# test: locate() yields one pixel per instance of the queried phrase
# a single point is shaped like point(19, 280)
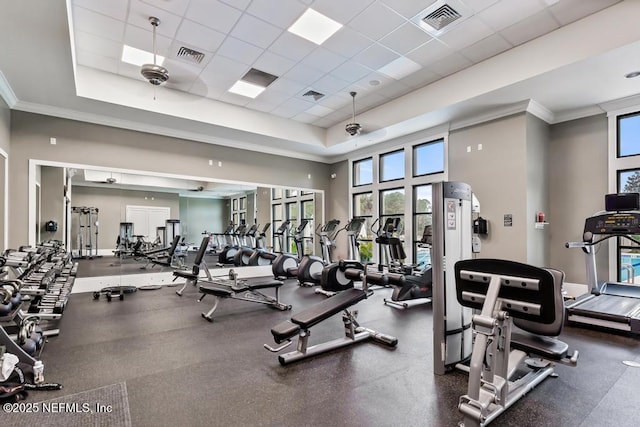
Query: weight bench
point(191, 277)
point(244, 290)
point(507, 363)
point(165, 257)
point(301, 322)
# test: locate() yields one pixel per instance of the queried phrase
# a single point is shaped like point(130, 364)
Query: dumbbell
point(5, 302)
point(13, 286)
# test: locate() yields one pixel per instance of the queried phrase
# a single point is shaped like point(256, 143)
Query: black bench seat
point(186, 274)
point(223, 289)
point(546, 347)
point(317, 313)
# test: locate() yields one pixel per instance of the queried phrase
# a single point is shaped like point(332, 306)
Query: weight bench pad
point(327, 308)
point(283, 331)
point(248, 286)
point(185, 274)
point(545, 347)
point(210, 289)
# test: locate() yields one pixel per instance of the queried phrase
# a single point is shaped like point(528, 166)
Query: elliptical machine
point(333, 278)
point(286, 264)
point(241, 257)
point(262, 256)
point(417, 285)
point(227, 254)
point(310, 268)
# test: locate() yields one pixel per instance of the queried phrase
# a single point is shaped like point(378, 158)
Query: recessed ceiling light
point(314, 27)
point(139, 57)
point(400, 68)
point(246, 89)
point(632, 74)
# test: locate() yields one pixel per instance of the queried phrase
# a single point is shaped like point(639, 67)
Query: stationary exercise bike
point(262, 256)
point(310, 268)
point(417, 285)
point(333, 278)
point(286, 264)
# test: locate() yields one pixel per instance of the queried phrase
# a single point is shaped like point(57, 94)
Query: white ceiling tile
point(486, 48)
point(466, 34)
point(376, 21)
point(400, 68)
point(286, 86)
point(329, 85)
point(323, 60)
point(240, 51)
point(213, 14)
point(303, 74)
point(319, 110)
point(567, 11)
point(114, 8)
point(255, 31)
point(260, 104)
point(180, 72)
point(350, 71)
point(376, 56)
point(405, 38)
point(139, 15)
point(131, 71)
point(283, 15)
point(143, 39)
point(421, 79)
point(336, 101)
point(369, 101)
point(177, 7)
point(233, 98)
point(273, 96)
point(324, 122)
point(505, 13)
point(95, 23)
point(207, 91)
point(450, 64)
point(529, 28)
point(292, 47)
point(430, 52)
point(238, 4)
point(480, 5)
point(199, 36)
point(223, 72)
point(341, 11)
point(90, 59)
point(347, 42)
point(273, 64)
point(98, 45)
point(393, 89)
point(305, 117)
point(409, 8)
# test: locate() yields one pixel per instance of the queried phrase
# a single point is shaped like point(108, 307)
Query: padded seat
point(284, 330)
point(186, 274)
point(248, 286)
point(218, 291)
point(327, 308)
point(545, 347)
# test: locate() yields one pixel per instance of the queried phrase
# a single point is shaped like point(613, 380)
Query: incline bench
point(509, 294)
point(301, 322)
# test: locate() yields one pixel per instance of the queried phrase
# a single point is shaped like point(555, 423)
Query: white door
point(146, 219)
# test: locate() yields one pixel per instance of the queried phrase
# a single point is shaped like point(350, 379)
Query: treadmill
point(611, 305)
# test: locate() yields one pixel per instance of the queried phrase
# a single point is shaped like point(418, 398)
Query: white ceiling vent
point(190, 55)
point(441, 17)
point(316, 95)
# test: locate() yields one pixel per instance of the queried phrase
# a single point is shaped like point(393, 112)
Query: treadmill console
point(614, 223)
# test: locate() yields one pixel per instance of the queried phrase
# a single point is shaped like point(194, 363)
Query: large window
point(628, 252)
point(392, 166)
point(363, 207)
point(276, 212)
point(308, 206)
point(292, 215)
point(629, 135)
point(363, 172)
point(422, 217)
point(428, 158)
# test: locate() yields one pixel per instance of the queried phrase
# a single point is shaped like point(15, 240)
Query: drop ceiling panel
point(376, 56)
point(376, 21)
point(213, 14)
point(140, 13)
point(97, 24)
point(341, 11)
point(323, 59)
point(319, 110)
point(486, 48)
point(292, 46)
point(418, 80)
point(466, 34)
point(408, 8)
point(90, 59)
point(405, 38)
point(239, 50)
point(143, 39)
point(350, 71)
point(530, 28)
point(505, 13)
point(177, 7)
point(347, 42)
point(238, 4)
point(261, 105)
point(286, 86)
point(195, 34)
point(567, 11)
point(304, 74)
point(329, 84)
point(223, 69)
point(429, 53)
point(113, 8)
point(283, 15)
point(450, 64)
point(273, 64)
point(256, 31)
point(92, 43)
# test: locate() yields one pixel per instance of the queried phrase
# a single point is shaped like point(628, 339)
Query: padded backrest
point(397, 249)
point(201, 251)
point(174, 245)
point(527, 292)
point(553, 329)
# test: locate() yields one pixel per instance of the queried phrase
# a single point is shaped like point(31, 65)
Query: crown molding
point(7, 92)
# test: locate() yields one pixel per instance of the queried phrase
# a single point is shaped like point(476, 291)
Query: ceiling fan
point(353, 128)
point(154, 73)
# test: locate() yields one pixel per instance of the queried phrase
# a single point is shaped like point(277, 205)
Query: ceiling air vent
point(314, 94)
point(441, 17)
point(190, 55)
point(259, 78)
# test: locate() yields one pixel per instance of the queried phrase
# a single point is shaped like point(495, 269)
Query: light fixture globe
point(154, 73)
point(353, 128)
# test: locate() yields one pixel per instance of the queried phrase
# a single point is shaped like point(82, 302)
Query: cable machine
point(87, 237)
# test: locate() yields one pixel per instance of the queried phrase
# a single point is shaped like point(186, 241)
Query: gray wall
point(578, 177)
point(537, 160)
point(263, 199)
point(5, 140)
point(337, 204)
point(51, 202)
point(498, 176)
point(112, 209)
point(86, 143)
